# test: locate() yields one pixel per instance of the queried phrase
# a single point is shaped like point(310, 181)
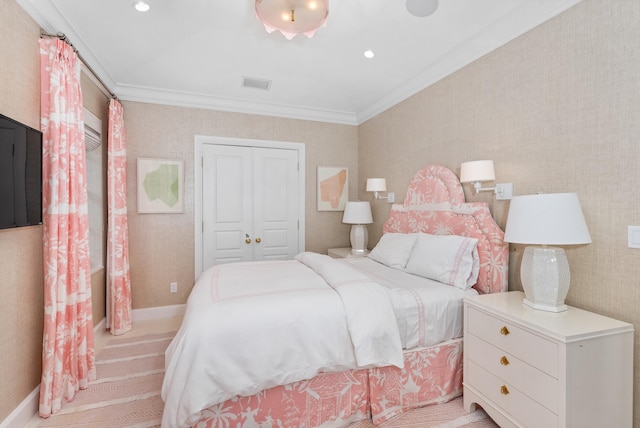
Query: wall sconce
point(358, 214)
point(541, 220)
point(377, 185)
point(482, 170)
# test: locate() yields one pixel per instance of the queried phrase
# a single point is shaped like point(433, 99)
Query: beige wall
point(162, 246)
point(558, 110)
point(21, 305)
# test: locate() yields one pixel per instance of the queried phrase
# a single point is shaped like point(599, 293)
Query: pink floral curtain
point(68, 359)
point(118, 235)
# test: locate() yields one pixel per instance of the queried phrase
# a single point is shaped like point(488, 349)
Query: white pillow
point(393, 249)
point(450, 259)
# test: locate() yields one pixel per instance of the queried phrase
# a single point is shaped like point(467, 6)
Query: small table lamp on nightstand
point(538, 221)
point(358, 214)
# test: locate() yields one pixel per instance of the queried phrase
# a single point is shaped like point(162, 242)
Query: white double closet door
point(250, 204)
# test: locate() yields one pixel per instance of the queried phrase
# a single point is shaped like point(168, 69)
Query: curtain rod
point(65, 39)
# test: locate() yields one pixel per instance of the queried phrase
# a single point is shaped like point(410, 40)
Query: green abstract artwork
point(162, 184)
point(159, 186)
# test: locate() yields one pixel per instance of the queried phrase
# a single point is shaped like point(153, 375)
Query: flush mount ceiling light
point(292, 17)
point(422, 8)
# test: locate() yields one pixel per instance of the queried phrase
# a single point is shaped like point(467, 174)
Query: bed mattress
point(252, 326)
point(427, 311)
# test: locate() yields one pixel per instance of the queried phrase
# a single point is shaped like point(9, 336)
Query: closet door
point(227, 204)
point(275, 185)
point(249, 204)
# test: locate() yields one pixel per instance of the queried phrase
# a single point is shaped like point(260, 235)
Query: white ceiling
point(196, 52)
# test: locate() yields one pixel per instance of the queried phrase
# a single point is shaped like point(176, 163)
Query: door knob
point(258, 240)
point(248, 240)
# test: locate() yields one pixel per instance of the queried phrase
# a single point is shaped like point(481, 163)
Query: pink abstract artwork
point(332, 188)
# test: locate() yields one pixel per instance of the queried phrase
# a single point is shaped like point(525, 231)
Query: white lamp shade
point(376, 185)
point(480, 170)
point(546, 219)
point(357, 213)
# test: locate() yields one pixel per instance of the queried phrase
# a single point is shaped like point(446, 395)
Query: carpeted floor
point(127, 390)
point(127, 394)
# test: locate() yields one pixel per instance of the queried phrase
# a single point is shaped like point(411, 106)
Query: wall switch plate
point(391, 197)
point(634, 237)
point(174, 287)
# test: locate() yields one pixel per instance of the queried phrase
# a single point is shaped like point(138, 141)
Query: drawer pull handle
point(504, 361)
point(504, 331)
point(504, 390)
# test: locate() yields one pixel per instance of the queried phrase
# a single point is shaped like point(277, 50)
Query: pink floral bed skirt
point(431, 376)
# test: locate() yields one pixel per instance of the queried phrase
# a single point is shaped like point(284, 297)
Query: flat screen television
point(20, 174)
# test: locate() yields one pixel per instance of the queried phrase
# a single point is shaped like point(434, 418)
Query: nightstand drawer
point(508, 398)
point(528, 347)
point(538, 385)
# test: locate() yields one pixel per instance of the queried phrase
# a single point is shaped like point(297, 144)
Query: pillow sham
point(394, 249)
point(449, 259)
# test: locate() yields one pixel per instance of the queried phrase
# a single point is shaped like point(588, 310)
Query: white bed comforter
point(252, 326)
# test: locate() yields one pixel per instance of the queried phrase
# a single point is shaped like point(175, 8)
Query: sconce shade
point(546, 219)
point(376, 185)
point(480, 170)
point(357, 213)
point(292, 17)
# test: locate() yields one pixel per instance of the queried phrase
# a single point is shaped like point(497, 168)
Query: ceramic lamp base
point(545, 278)
point(359, 239)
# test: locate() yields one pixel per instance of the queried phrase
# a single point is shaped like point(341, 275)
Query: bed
point(317, 341)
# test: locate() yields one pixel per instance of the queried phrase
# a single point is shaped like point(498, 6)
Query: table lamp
point(358, 214)
point(542, 220)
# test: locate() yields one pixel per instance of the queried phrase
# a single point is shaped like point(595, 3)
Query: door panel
point(276, 203)
point(226, 215)
point(249, 193)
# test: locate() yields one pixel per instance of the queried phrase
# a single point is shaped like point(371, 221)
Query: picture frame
point(332, 188)
point(160, 186)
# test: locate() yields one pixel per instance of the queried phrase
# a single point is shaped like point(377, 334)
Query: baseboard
point(22, 414)
point(158, 312)
point(28, 408)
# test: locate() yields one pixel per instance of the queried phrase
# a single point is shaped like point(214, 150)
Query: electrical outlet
point(174, 287)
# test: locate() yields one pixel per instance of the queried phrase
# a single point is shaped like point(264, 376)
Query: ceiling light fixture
point(422, 8)
point(142, 6)
point(293, 17)
point(369, 54)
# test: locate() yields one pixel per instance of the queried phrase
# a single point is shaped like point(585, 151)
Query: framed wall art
point(160, 186)
point(333, 188)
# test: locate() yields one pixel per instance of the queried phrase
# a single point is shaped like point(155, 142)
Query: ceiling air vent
point(252, 82)
point(92, 131)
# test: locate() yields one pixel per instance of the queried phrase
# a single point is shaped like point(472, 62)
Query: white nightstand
point(343, 253)
point(531, 368)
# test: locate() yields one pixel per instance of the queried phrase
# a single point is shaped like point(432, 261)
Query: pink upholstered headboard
point(435, 204)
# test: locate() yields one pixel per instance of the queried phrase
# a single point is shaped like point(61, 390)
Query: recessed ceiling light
point(369, 54)
point(142, 6)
